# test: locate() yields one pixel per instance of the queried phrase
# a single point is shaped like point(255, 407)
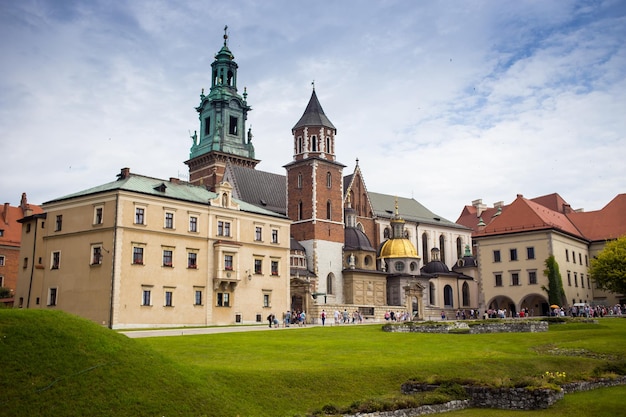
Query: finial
point(313, 84)
point(245, 93)
point(396, 206)
point(357, 162)
point(349, 199)
point(202, 92)
point(225, 34)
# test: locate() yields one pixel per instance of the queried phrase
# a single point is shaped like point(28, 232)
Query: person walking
point(323, 316)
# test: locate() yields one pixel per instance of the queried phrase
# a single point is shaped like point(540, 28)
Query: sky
point(444, 102)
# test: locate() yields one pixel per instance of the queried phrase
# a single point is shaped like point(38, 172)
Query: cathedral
point(351, 249)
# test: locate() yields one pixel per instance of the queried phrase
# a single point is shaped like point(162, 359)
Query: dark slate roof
point(314, 115)
point(408, 209)
point(355, 239)
point(295, 245)
point(263, 189)
point(347, 180)
point(435, 267)
point(165, 189)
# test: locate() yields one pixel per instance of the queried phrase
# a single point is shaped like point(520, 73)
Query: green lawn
point(55, 364)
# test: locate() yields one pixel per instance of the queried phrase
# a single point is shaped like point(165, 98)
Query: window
point(1, 281)
point(59, 223)
point(582, 280)
point(442, 249)
point(139, 215)
point(586, 260)
point(459, 248)
point(274, 266)
point(192, 259)
point(228, 262)
point(447, 296)
point(223, 228)
point(52, 297)
point(496, 256)
point(2, 232)
point(575, 279)
point(424, 247)
point(573, 256)
point(25, 264)
point(193, 224)
point(498, 280)
point(145, 298)
point(168, 298)
point(513, 253)
point(96, 255)
point(299, 180)
point(314, 143)
point(137, 255)
point(530, 252)
point(588, 285)
point(1, 260)
point(258, 233)
point(98, 215)
point(569, 279)
point(328, 144)
point(198, 298)
point(300, 213)
point(207, 126)
point(532, 277)
point(329, 283)
point(466, 294)
point(169, 220)
point(258, 266)
point(566, 255)
point(266, 300)
point(328, 210)
point(27, 228)
point(515, 278)
point(56, 260)
point(223, 299)
point(274, 235)
point(329, 180)
point(299, 147)
point(580, 258)
point(232, 126)
point(167, 257)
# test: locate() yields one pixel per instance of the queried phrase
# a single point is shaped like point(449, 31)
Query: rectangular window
point(52, 297)
point(228, 262)
point(575, 279)
point(223, 228)
point(193, 224)
point(569, 279)
point(232, 126)
point(167, 257)
point(56, 260)
point(274, 235)
point(1, 260)
point(98, 215)
point(258, 266)
point(588, 285)
point(198, 298)
point(96, 255)
point(207, 126)
point(192, 259)
point(530, 253)
point(532, 277)
point(25, 264)
point(223, 299)
point(137, 255)
point(566, 255)
point(169, 220)
point(498, 280)
point(27, 228)
point(496, 256)
point(139, 215)
point(145, 298)
point(573, 256)
point(168, 298)
point(513, 253)
point(586, 260)
point(515, 278)
point(582, 280)
point(580, 258)
point(258, 234)
point(59, 223)
point(266, 300)
point(274, 267)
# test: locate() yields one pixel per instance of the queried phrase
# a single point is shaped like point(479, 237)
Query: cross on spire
point(225, 34)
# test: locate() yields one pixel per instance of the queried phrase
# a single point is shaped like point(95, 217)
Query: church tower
point(222, 137)
point(315, 197)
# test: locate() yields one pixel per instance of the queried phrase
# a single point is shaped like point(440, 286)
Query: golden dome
point(398, 248)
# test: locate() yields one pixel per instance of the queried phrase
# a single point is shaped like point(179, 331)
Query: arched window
point(386, 233)
point(299, 180)
point(300, 210)
point(431, 294)
point(224, 200)
point(314, 143)
point(442, 250)
point(447, 296)
point(459, 248)
point(329, 283)
point(328, 210)
point(229, 79)
point(329, 180)
point(425, 251)
point(466, 294)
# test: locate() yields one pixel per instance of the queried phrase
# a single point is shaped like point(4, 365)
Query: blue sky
point(445, 102)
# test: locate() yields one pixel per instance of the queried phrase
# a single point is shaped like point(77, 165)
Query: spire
point(314, 114)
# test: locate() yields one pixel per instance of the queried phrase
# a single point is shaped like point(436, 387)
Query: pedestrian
point(323, 315)
point(270, 318)
point(443, 315)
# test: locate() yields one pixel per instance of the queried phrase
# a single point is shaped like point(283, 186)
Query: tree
point(608, 268)
point(556, 294)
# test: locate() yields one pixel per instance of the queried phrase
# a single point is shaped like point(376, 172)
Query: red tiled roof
point(552, 201)
point(12, 230)
point(606, 223)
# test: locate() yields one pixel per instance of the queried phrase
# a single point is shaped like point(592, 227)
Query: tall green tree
point(608, 268)
point(556, 294)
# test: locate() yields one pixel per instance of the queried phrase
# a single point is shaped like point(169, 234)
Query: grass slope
point(56, 364)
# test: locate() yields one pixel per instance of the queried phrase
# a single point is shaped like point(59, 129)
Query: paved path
point(205, 330)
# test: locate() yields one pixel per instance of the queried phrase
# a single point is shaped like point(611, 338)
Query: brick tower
point(315, 196)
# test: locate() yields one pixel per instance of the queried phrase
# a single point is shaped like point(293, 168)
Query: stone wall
point(509, 326)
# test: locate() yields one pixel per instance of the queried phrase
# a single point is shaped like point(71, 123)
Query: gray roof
point(182, 191)
point(314, 115)
point(262, 189)
point(409, 209)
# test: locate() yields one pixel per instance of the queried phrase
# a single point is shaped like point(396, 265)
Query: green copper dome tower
point(222, 136)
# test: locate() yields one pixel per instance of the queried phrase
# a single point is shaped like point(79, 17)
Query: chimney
point(520, 196)
point(480, 207)
point(567, 208)
point(124, 173)
point(5, 213)
point(498, 204)
point(174, 180)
